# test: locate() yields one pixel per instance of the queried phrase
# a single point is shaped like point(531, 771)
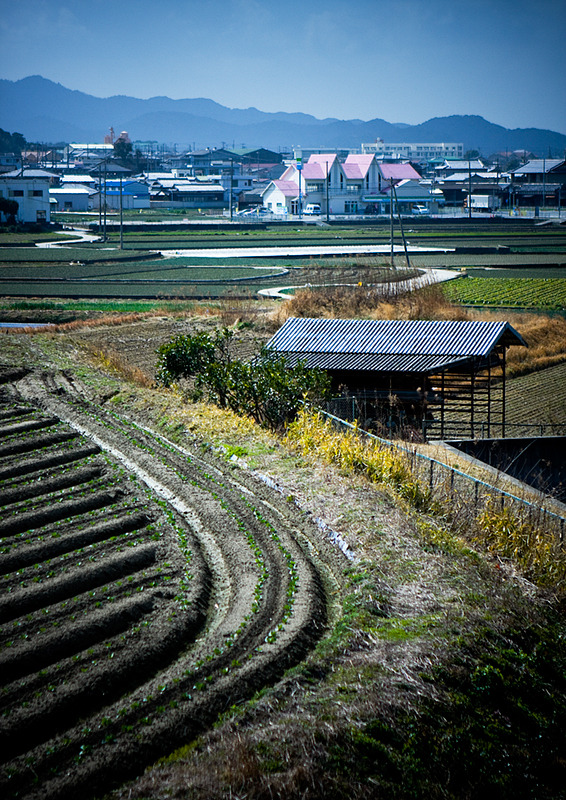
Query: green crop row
point(545, 293)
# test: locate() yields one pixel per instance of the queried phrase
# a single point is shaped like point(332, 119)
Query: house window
point(37, 193)
point(16, 192)
point(350, 207)
point(353, 188)
point(314, 187)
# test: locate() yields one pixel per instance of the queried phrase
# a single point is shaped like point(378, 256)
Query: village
point(378, 179)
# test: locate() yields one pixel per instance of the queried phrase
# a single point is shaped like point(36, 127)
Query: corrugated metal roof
point(390, 345)
point(368, 362)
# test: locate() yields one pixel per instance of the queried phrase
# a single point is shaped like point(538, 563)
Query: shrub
point(267, 389)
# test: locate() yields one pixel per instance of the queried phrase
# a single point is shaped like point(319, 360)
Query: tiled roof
point(314, 171)
point(352, 170)
point(322, 158)
point(538, 166)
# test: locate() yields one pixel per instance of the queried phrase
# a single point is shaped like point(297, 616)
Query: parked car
point(420, 210)
point(312, 208)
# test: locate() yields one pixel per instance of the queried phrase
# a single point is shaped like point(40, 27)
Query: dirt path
point(146, 588)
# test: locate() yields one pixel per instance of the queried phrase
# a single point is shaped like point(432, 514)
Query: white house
point(31, 192)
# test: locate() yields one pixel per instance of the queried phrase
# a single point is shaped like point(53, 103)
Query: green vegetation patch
point(50, 255)
point(544, 293)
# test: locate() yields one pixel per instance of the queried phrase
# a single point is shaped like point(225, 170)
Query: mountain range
point(44, 111)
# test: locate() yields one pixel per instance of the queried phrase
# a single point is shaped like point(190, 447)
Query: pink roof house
point(399, 172)
point(343, 188)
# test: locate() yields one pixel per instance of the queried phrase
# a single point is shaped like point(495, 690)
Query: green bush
point(267, 389)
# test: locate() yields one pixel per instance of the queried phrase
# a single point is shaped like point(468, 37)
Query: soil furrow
point(48, 485)
point(29, 599)
point(30, 425)
point(36, 443)
point(67, 543)
point(251, 568)
point(53, 647)
point(48, 461)
point(31, 520)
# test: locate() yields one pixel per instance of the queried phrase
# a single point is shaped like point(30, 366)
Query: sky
point(399, 60)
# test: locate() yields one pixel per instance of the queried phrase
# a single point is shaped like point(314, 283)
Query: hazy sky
point(401, 60)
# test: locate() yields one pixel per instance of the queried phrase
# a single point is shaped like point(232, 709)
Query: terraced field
point(145, 589)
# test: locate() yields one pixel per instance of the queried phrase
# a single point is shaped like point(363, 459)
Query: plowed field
point(145, 589)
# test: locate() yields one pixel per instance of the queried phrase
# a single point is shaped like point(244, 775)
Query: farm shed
point(441, 378)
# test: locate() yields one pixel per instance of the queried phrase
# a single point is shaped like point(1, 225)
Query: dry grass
point(546, 339)
point(385, 301)
point(113, 362)
point(78, 324)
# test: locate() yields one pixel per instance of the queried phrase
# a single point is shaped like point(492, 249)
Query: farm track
point(145, 589)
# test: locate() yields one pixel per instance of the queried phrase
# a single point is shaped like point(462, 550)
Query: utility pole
point(401, 227)
point(231, 180)
point(469, 190)
point(391, 223)
point(100, 197)
point(121, 218)
point(327, 192)
point(299, 160)
point(543, 183)
point(105, 172)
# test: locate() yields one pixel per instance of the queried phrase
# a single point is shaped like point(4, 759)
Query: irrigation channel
point(146, 588)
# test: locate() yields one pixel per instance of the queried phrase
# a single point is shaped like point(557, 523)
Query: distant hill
point(45, 111)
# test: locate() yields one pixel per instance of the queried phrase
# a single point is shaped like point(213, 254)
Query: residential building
point(359, 184)
point(9, 162)
point(186, 193)
point(71, 197)
point(125, 193)
point(539, 183)
point(78, 178)
point(30, 189)
point(541, 170)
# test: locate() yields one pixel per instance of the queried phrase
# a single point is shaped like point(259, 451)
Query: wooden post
point(503, 399)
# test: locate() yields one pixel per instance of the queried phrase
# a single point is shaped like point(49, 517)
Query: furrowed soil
point(175, 579)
